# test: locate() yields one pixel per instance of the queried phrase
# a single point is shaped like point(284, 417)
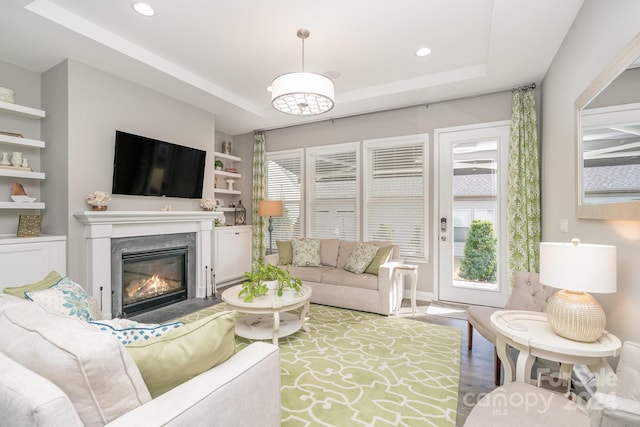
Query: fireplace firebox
point(153, 279)
point(149, 272)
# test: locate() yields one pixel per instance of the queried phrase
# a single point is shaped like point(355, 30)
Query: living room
point(85, 104)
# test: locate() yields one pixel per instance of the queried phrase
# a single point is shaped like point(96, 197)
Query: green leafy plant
point(480, 252)
point(219, 164)
point(260, 273)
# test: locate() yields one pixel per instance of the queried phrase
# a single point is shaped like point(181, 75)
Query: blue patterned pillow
point(67, 298)
point(129, 331)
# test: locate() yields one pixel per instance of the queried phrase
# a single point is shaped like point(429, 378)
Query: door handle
point(443, 238)
point(443, 224)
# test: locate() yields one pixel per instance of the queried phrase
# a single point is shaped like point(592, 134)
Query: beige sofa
point(59, 371)
point(332, 285)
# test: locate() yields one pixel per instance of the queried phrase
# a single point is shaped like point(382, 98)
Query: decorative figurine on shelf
point(19, 195)
point(241, 214)
point(5, 159)
point(230, 183)
point(226, 147)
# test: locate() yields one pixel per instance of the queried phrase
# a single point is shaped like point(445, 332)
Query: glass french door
point(472, 166)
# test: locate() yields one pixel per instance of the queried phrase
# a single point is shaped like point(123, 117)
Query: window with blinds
point(333, 191)
point(284, 182)
point(395, 177)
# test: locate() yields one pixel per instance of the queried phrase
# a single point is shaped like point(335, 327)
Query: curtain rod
point(424, 104)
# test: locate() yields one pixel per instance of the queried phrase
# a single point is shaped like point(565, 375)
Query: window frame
point(392, 142)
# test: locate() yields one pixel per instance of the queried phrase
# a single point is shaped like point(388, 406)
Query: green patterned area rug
point(362, 369)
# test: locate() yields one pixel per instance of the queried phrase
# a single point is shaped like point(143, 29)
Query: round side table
point(531, 334)
point(410, 271)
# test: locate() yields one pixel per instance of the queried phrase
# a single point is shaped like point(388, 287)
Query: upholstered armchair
point(528, 405)
point(527, 294)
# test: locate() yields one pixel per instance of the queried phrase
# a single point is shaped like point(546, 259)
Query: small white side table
point(531, 334)
point(410, 271)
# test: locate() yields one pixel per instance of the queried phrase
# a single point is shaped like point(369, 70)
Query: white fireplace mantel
point(102, 226)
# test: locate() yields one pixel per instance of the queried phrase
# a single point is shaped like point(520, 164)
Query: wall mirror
point(608, 140)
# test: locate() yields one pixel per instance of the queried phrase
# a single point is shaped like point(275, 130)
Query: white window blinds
point(284, 182)
point(333, 191)
point(395, 193)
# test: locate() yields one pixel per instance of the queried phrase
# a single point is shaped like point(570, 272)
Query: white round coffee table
point(265, 317)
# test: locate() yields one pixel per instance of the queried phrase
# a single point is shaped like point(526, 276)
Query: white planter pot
point(271, 284)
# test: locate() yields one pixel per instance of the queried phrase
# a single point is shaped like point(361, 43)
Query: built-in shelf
point(24, 142)
point(21, 174)
point(225, 191)
point(227, 157)
point(16, 205)
point(228, 174)
point(22, 111)
point(226, 209)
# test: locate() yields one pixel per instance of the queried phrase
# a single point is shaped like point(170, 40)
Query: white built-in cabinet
point(10, 143)
point(28, 259)
point(232, 252)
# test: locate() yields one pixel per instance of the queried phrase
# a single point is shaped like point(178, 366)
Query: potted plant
point(264, 277)
point(218, 165)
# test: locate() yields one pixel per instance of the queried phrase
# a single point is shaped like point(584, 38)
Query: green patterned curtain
point(523, 194)
point(259, 187)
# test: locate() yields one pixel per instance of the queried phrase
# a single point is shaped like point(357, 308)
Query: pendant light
point(302, 93)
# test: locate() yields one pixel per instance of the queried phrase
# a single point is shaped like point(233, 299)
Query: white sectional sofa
point(59, 371)
point(332, 285)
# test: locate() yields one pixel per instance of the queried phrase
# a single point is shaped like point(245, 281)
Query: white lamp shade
point(302, 93)
point(578, 267)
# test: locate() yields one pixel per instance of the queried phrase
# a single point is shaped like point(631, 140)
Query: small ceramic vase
point(16, 158)
point(5, 160)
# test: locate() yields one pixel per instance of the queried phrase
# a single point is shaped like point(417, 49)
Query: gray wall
point(415, 120)
point(26, 84)
point(599, 33)
point(98, 104)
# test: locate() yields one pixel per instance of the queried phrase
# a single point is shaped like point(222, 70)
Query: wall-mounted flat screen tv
point(148, 167)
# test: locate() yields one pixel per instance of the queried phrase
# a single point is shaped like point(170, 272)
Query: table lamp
point(270, 208)
point(577, 268)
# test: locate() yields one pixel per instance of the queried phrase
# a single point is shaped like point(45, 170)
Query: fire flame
point(150, 287)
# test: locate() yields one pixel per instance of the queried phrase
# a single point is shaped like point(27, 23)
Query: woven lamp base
point(576, 315)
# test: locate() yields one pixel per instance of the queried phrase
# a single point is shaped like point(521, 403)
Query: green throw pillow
point(361, 257)
point(185, 352)
point(383, 255)
point(306, 252)
point(51, 279)
point(285, 251)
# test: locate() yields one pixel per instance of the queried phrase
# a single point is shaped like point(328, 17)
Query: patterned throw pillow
point(129, 331)
point(361, 257)
point(68, 299)
point(306, 252)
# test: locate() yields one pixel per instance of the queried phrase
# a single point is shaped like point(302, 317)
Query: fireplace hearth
point(150, 272)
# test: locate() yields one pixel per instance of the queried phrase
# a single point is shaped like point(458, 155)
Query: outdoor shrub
point(480, 252)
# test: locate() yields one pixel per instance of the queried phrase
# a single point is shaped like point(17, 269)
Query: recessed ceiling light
point(423, 51)
point(144, 9)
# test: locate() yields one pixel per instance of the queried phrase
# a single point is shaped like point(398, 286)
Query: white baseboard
point(420, 296)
